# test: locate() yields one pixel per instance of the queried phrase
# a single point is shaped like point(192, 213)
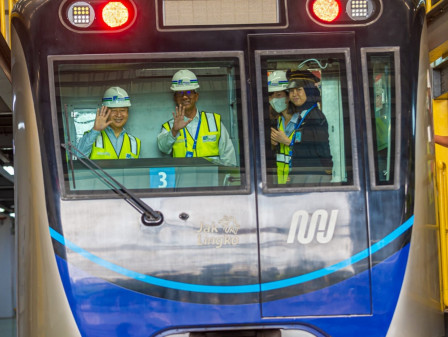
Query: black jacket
point(312, 154)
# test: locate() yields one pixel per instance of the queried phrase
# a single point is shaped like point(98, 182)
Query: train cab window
point(154, 126)
point(379, 73)
point(306, 121)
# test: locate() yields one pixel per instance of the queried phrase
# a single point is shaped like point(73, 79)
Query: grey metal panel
point(418, 311)
point(215, 245)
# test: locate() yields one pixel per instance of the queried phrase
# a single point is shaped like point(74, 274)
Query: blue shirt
point(288, 129)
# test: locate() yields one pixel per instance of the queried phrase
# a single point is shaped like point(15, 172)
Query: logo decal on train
point(225, 233)
point(316, 227)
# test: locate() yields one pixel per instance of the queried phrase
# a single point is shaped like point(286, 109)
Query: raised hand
point(102, 114)
point(179, 121)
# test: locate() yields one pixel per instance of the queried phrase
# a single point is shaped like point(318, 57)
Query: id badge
point(298, 137)
point(189, 154)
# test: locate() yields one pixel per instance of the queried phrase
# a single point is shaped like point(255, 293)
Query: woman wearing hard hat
point(285, 120)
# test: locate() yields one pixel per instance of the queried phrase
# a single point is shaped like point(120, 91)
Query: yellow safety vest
point(283, 158)
point(207, 144)
point(103, 148)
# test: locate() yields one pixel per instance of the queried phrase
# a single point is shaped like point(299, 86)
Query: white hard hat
point(184, 80)
point(116, 97)
point(277, 81)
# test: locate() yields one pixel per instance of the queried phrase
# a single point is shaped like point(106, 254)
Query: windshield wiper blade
point(149, 217)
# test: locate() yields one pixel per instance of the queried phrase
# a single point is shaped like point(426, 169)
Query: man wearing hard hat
point(108, 138)
point(191, 132)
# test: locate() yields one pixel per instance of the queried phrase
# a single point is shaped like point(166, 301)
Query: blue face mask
point(279, 104)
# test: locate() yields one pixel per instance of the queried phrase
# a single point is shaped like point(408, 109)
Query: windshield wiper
point(150, 217)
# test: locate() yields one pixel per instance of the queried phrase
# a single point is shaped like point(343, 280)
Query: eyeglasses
point(117, 111)
point(184, 93)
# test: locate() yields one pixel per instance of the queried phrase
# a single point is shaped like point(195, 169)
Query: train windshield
point(151, 124)
point(307, 121)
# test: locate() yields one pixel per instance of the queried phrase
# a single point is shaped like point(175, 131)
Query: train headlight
point(359, 9)
point(81, 14)
point(326, 10)
point(115, 14)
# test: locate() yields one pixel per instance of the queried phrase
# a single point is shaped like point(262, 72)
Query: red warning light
point(115, 14)
point(326, 10)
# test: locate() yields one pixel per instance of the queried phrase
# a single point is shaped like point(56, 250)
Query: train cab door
point(312, 216)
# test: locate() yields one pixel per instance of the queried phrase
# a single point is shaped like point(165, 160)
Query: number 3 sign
point(162, 177)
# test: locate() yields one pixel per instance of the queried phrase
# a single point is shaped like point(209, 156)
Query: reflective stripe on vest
point(99, 142)
point(283, 158)
point(134, 145)
point(208, 138)
point(103, 148)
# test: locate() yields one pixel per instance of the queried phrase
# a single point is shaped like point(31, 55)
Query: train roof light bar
point(326, 10)
point(81, 14)
point(115, 14)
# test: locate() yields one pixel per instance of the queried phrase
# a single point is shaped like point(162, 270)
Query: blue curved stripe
point(250, 288)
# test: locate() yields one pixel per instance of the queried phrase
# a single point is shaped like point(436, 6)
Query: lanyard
point(190, 153)
point(299, 124)
point(293, 134)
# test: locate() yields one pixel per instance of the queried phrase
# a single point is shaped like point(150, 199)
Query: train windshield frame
point(382, 97)
point(334, 83)
point(76, 98)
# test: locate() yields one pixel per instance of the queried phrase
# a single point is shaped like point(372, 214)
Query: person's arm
point(441, 140)
point(165, 141)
